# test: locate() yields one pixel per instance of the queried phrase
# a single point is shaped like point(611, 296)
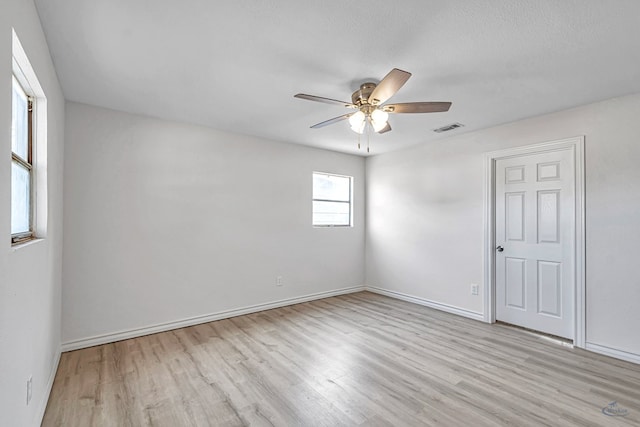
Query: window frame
point(348, 202)
point(28, 163)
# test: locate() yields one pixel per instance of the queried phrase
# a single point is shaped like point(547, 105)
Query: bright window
point(21, 165)
point(332, 200)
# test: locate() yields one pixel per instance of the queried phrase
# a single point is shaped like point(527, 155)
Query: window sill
point(25, 244)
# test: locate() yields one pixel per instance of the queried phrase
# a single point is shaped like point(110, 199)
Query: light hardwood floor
point(359, 359)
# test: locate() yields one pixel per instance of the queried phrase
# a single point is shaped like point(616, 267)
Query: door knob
point(500, 249)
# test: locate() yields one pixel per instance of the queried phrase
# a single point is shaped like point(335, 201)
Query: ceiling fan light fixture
point(378, 126)
point(357, 122)
point(359, 128)
point(356, 118)
point(378, 115)
point(379, 119)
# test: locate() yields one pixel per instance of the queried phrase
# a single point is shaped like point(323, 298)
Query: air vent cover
point(447, 128)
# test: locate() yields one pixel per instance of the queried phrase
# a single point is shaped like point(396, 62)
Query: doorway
point(534, 238)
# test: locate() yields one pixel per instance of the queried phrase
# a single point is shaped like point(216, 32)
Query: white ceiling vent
point(447, 128)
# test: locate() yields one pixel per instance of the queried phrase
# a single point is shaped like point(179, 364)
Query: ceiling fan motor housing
point(361, 96)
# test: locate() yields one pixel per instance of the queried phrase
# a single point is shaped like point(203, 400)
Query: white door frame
point(576, 145)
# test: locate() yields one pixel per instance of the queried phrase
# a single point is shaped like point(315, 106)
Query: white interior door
point(535, 239)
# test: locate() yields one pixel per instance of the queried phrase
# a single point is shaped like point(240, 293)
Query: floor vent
point(447, 128)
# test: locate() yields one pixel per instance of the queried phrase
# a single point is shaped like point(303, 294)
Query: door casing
point(576, 146)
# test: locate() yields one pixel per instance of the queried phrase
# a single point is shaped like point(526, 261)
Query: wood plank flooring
point(359, 359)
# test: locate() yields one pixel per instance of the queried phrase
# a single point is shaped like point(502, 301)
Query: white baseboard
point(596, 348)
point(427, 303)
point(42, 407)
point(161, 327)
point(612, 352)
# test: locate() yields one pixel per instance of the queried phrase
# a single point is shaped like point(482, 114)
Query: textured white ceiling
point(235, 65)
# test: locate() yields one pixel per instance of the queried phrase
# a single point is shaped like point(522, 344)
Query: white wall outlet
point(278, 280)
point(474, 289)
point(29, 388)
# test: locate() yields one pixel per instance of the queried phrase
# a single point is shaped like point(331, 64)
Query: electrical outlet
point(29, 387)
point(474, 289)
point(278, 280)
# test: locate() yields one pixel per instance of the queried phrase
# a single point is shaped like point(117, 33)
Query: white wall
point(30, 277)
point(167, 221)
point(425, 215)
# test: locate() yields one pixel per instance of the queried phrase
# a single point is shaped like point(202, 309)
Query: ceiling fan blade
point(417, 107)
point(331, 121)
point(389, 85)
point(387, 128)
point(324, 100)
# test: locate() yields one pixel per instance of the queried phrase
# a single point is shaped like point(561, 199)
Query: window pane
point(331, 187)
point(19, 122)
point(331, 213)
point(20, 198)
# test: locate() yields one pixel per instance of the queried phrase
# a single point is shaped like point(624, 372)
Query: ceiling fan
point(369, 103)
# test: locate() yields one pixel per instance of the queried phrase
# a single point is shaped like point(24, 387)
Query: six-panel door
point(535, 202)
